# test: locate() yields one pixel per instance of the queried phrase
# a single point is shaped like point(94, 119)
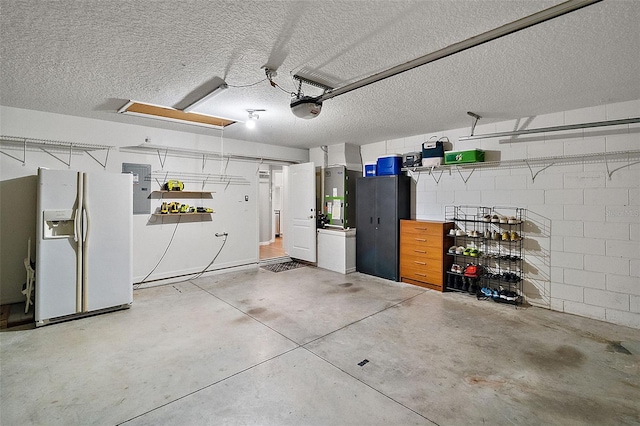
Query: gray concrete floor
point(262, 348)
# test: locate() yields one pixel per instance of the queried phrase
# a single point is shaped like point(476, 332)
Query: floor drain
point(363, 362)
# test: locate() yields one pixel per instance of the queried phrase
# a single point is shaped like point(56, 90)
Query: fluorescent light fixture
point(159, 112)
point(205, 98)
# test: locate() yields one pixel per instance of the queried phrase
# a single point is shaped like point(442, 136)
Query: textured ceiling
point(87, 58)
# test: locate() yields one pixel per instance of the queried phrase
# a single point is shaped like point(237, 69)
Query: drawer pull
point(420, 251)
point(421, 275)
point(419, 263)
point(421, 229)
point(420, 239)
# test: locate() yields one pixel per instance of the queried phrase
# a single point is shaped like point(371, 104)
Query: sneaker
point(487, 234)
point(511, 296)
point(467, 251)
point(474, 234)
point(460, 233)
point(513, 220)
point(452, 232)
point(460, 250)
point(452, 249)
point(495, 235)
point(474, 252)
point(486, 292)
point(495, 218)
point(505, 236)
point(487, 218)
point(514, 236)
point(503, 219)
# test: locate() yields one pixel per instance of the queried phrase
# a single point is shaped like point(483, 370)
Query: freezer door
point(108, 239)
point(55, 254)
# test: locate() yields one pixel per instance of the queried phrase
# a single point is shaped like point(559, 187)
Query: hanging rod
point(553, 129)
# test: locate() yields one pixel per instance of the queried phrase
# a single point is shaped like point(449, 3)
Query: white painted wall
point(194, 244)
point(583, 229)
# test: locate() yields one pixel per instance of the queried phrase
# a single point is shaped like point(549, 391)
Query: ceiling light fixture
point(206, 97)
point(253, 117)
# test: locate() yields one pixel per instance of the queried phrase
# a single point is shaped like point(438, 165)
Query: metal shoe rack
point(491, 238)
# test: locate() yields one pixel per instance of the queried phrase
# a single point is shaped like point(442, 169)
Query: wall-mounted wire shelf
point(161, 176)
point(163, 151)
point(535, 165)
point(51, 147)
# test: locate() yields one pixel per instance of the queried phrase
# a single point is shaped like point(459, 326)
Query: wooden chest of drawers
point(423, 247)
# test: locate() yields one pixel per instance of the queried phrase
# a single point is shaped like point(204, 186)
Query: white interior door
point(300, 206)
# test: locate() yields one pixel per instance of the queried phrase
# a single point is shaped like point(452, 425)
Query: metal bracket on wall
point(469, 176)
point(534, 175)
point(629, 163)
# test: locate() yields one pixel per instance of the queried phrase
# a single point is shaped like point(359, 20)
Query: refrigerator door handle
point(76, 224)
point(80, 249)
point(85, 228)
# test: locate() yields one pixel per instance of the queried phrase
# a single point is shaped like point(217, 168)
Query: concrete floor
point(262, 348)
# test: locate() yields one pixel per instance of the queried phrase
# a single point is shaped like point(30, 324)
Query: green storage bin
point(459, 157)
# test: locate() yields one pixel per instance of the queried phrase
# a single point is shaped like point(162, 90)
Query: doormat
point(279, 267)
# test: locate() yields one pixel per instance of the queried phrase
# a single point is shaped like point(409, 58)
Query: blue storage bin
point(389, 165)
point(370, 169)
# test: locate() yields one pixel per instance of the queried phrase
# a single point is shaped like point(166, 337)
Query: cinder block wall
point(582, 232)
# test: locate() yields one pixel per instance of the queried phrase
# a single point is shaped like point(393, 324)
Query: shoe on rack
point(511, 296)
point(486, 218)
point(486, 292)
point(513, 220)
point(503, 219)
point(495, 219)
point(460, 233)
point(452, 249)
point(474, 252)
point(459, 250)
point(450, 280)
point(505, 236)
point(514, 236)
point(467, 251)
point(452, 232)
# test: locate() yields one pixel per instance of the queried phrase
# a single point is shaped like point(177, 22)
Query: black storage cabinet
point(381, 202)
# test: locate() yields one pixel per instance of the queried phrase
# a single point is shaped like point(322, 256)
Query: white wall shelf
point(203, 179)
point(535, 165)
point(183, 194)
point(52, 148)
point(181, 214)
point(164, 151)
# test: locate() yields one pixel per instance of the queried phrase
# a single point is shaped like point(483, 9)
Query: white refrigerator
point(83, 245)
